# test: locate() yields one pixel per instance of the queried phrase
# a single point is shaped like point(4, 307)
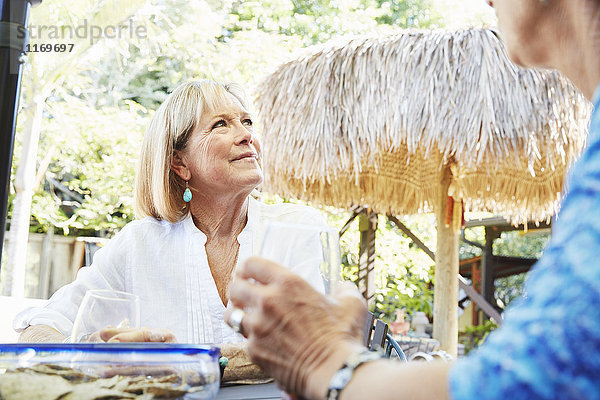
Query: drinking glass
point(101, 308)
point(308, 250)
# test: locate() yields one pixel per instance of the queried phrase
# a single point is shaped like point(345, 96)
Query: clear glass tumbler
point(101, 308)
point(311, 251)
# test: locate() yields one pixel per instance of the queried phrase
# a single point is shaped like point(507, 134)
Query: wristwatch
point(344, 374)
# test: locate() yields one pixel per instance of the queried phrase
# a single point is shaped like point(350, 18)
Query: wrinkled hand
point(111, 334)
point(295, 333)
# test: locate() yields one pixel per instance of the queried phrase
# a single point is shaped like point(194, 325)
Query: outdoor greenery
point(88, 188)
point(117, 84)
point(404, 273)
point(515, 244)
point(97, 101)
point(474, 336)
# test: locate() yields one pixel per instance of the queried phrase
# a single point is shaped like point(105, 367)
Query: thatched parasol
point(399, 123)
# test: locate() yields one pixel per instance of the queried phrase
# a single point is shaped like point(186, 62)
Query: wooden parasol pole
point(367, 223)
point(445, 294)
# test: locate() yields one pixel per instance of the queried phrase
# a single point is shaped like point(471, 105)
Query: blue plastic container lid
point(142, 348)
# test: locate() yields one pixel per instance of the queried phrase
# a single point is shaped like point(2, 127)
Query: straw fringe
point(371, 121)
point(400, 186)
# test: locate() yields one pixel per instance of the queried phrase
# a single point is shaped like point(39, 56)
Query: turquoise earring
point(187, 194)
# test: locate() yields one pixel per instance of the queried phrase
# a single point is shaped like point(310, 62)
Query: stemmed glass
point(308, 250)
point(101, 308)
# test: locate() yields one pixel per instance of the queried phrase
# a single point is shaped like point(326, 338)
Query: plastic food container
point(102, 370)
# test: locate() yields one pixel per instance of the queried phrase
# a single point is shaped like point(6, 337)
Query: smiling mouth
point(246, 156)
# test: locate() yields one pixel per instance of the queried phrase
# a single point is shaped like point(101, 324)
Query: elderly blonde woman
point(549, 344)
point(200, 161)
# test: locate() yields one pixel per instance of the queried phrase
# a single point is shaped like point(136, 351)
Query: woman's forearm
point(41, 333)
point(382, 380)
point(386, 379)
point(239, 366)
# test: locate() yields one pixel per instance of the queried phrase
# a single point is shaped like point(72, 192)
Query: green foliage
point(403, 273)
point(407, 292)
point(407, 14)
point(518, 244)
point(89, 182)
point(116, 84)
point(475, 235)
point(316, 21)
point(509, 288)
point(513, 244)
point(474, 336)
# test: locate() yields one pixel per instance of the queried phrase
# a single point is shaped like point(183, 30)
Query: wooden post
point(445, 294)
point(476, 286)
point(462, 283)
point(46, 264)
point(488, 265)
point(367, 224)
point(78, 256)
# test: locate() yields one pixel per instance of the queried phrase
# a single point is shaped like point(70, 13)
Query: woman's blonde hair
point(159, 190)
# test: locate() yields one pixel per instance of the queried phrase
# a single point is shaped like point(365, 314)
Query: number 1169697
point(49, 48)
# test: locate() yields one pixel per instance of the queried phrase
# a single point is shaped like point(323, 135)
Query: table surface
point(249, 392)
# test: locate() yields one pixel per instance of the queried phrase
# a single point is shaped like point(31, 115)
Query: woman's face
point(222, 153)
point(529, 28)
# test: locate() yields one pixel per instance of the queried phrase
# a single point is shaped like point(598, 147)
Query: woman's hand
point(297, 335)
point(111, 334)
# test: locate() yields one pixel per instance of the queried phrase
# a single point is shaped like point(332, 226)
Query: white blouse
point(165, 264)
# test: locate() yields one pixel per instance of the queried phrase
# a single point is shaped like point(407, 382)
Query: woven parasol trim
point(400, 185)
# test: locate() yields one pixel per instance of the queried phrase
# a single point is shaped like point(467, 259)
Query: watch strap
point(341, 378)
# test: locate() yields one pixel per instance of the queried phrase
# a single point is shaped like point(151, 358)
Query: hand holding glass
point(101, 308)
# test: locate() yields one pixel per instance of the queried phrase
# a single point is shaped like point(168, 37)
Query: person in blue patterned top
point(549, 344)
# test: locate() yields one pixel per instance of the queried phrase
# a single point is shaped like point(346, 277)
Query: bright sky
point(465, 13)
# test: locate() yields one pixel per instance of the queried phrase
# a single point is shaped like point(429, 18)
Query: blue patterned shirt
point(549, 345)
